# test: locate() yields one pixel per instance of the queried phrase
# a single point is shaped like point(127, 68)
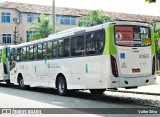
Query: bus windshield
point(132, 35)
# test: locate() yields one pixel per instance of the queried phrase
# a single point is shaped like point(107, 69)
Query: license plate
point(136, 70)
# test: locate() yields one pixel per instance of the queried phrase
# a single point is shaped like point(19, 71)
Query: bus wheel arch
point(19, 77)
point(61, 84)
point(20, 81)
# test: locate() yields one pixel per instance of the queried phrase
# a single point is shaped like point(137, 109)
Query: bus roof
point(80, 30)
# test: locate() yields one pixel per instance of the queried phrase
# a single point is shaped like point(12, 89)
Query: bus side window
point(44, 50)
point(34, 52)
point(54, 49)
point(31, 52)
point(100, 38)
point(63, 48)
point(90, 44)
point(27, 53)
point(77, 46)
point(49, 52)
point(8, 52)
point(24, 57)
point(39, 53)
point(60, 48)
point(19, 54)
point(66, 47)
point(94, 43)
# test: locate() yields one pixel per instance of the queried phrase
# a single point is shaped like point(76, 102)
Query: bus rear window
point(132, 36)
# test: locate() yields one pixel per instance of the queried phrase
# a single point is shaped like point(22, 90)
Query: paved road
point(43, 98)
point(12, 97)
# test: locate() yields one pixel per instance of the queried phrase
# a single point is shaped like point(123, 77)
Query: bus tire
point(97, 91)
point(61, 86)
point(21, 82)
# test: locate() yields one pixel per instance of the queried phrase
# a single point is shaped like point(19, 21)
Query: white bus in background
point(4, 65)
point(111, 55)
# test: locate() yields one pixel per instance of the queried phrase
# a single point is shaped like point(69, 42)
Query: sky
point(123, 6)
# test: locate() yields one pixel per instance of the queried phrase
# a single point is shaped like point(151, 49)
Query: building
point(16, 18)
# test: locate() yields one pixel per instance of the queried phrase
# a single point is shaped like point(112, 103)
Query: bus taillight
point(5, 68)
point(153, 65)
point(114, 66)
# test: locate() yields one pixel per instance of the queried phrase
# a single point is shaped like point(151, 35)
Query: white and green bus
point(4, 64)
point(111, 55)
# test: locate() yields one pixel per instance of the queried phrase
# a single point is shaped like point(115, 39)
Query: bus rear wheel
point(61, 86)
point(97, 91)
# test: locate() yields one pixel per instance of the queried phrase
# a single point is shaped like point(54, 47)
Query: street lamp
point(54, 17)
point(15, 35)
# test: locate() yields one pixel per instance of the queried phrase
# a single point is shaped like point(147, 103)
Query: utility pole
point(15, 36)
point(54, 17)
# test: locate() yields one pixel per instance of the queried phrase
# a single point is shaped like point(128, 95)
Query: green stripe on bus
point(4, 56)
point(35, 69)
point(153, 42)
point(110, 47)
point(86, 68)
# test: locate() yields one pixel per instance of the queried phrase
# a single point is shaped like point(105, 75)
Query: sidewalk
point(150, 89)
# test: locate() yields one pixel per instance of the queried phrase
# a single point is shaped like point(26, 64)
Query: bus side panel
point(109, 80)
point(94, 73)
point(110, 49)
point(78, 70)
point(59, 66)
point(86, 72)
point(41, 73)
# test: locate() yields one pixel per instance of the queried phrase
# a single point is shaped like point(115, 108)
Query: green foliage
point(156, 37)
point(94, 18)
point(150, 1)
point(42, 28)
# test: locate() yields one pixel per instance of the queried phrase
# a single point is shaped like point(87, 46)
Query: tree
point(150, 1)
point(94, 18)
point(157, 39)
point(42, 28)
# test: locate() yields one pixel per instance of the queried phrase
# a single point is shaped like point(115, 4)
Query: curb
point(134, 92)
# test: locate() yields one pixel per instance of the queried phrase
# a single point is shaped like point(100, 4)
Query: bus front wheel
point(97, 91)
point(21, 82)
point(61, 86)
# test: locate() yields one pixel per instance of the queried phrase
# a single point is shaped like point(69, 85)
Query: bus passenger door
point(12, 63)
